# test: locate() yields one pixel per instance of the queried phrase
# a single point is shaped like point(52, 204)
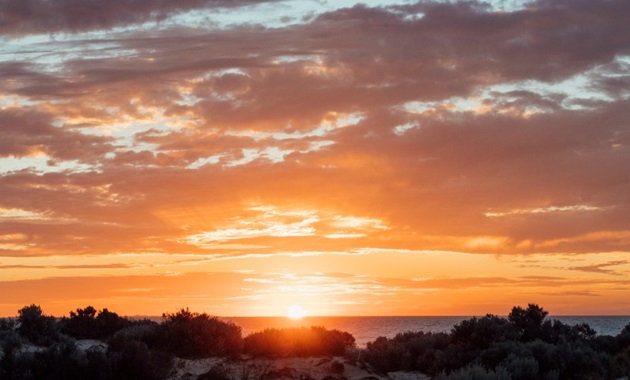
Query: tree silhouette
point(35, 326)
point(88, 324)
point(528, 321)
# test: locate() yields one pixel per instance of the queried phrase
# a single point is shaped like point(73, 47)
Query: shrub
point(145, 331)
point(546, 355)
point(480, 333)
point(521, 367)
point(9, 337)
point(7, 324)
point(61, 361)
point(525, 346)
point(195, 335)
point(37, 327)
point(313, 341)
point(87, 324)
point(385, 355)
point(133, 360)
point(620, 364)
point(15, 364)
point(528, 321)
point(409, 351)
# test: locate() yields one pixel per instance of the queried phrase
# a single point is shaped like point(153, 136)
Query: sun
point(296, 312)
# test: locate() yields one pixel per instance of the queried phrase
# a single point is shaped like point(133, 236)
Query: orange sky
point(240, 157)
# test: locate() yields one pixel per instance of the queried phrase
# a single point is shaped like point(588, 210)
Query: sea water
point(367, 329)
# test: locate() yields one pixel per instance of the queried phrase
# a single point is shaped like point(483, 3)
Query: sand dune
point(284, 368)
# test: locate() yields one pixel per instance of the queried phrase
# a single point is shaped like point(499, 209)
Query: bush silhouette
point(528, 321)
point(133, 360)
point(302, 341)
point(37, 327)
point(194, 335)
point(88, 324)
point(523, 346)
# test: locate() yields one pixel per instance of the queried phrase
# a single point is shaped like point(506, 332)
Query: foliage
point(145, 331)
point(37, 327)
point(528, 321)
point(620, 363)
point(313, 341)
point(481, 333)
point(408, 351)
point(132, 359)
point(523, 346)
point(193, 335)
point(62, 361)
point(9, 337)
point(88, 324)
point(7, 324)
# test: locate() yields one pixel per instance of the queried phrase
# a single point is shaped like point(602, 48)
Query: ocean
point(367, 329)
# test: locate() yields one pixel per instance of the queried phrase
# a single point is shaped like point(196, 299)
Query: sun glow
point(296, 312)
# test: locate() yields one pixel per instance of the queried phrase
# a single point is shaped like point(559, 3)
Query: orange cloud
point(350, 136)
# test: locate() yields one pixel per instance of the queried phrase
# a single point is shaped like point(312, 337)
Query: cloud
point(27, 132)
point(602, 268)
point(421, 127)
point(40, 16)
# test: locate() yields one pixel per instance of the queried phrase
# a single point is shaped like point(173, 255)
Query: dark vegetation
point(525, 345)
point(314, 341)
point(41, 347)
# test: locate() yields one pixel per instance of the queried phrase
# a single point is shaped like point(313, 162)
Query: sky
point(238, 157)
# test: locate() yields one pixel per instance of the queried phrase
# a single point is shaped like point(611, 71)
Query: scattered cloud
point(70, 16)
point(543, 210)
point(184, 128)
point(603, 268)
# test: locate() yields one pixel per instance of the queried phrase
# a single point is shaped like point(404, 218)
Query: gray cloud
point(27, 132)
point(41, 16)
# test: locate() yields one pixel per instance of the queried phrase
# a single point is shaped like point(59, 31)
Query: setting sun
point(296, 312)
point(272, 180)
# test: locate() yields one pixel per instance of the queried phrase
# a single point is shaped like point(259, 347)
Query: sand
point(285, 368)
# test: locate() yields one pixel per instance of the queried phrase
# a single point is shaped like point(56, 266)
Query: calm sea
point(367, 329)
